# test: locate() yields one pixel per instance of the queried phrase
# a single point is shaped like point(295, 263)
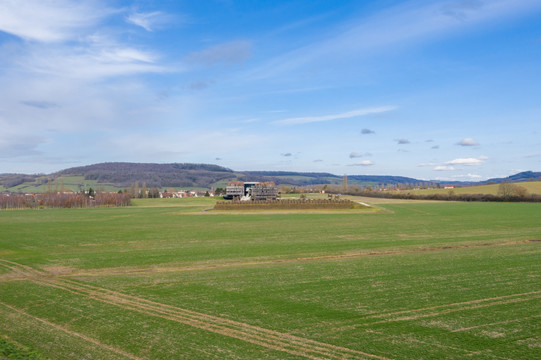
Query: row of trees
point(506, 193)
point(62, 200)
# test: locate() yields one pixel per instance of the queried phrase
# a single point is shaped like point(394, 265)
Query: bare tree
point(508, 189)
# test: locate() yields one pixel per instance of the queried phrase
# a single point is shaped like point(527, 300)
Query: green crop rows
point(166, 280)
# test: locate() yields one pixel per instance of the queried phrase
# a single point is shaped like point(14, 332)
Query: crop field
point(171, 279)
point(533, 187)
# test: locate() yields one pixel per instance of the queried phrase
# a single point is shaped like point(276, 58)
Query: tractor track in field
point(438, 310)
point(249, 333)
point(71, 332)
point(495, 323)
point(165, 269)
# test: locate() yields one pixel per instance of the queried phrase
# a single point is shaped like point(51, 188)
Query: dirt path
point(253, 334)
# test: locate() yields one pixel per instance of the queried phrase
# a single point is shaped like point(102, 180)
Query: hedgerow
point(449, 197)
point(286, 204)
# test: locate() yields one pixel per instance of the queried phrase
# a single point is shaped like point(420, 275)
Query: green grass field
point(164, 279)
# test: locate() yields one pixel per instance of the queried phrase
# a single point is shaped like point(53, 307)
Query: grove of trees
point(62, 200)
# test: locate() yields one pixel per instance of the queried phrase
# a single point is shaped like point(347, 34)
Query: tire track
point(438, 313)
point(495, 323)
point(121, 271)
point(253, 334)
point(72, 333)
point(491, 300)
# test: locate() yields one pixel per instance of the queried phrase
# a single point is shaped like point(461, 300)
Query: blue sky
point(445, 90)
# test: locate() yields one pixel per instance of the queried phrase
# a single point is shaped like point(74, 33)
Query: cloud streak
point(231, 53)
point(90, 62)
point(467, 161)
point(345, 115)
point(355, 154)
point(362, 163)
point(50, 21)
point(467, 142)
point(40, 104)
point(406, 23)
point(148, 21)
point(444, 168)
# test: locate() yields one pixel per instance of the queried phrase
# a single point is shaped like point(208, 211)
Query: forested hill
point(310, 178)
point(206, 175)
point(522, 176)
point(123, 174)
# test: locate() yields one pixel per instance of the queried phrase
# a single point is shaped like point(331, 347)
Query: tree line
point(62, 200)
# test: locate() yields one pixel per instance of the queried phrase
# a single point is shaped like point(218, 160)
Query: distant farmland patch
point(533, 187)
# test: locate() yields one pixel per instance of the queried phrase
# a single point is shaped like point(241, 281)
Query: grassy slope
point(364, 281)
point(533, 187)
point(70, 183)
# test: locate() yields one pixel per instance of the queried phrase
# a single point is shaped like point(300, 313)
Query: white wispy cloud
point(444, 168)
point(50, 21)
point(90, 63)
point(362, 163)
point(474, 177)
point(345, 115)
point(467, 161)
point(408, 22)
point(452, 164)
point(148, 21)
point(64, 41)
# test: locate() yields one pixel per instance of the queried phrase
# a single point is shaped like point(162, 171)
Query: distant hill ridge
point(188, 175)
point(125, 174)
point(204, 175)
point(522, 176)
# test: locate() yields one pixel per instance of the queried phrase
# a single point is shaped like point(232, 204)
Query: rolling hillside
point(114, 176)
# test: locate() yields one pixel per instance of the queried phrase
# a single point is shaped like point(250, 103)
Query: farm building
point(248, 191)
